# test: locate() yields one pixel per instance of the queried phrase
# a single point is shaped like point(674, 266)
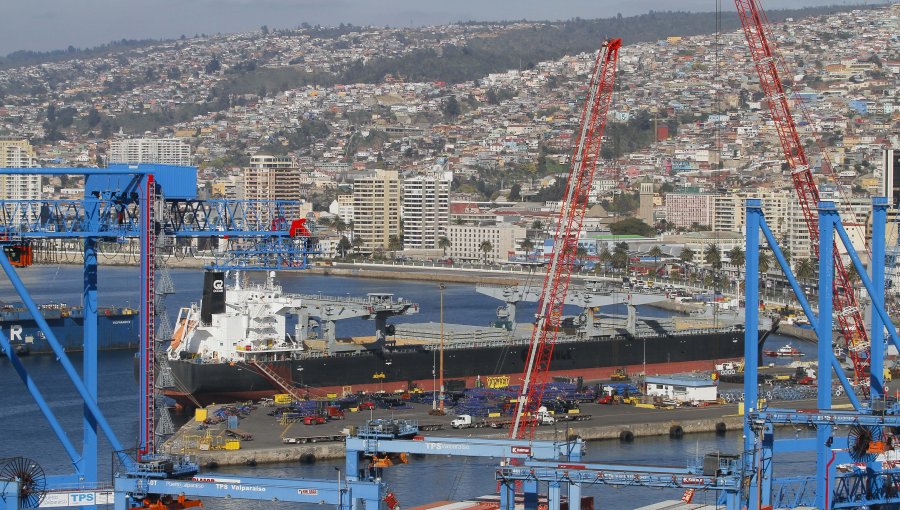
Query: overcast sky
point(55, 24)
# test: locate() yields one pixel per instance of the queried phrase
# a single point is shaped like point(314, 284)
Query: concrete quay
point(616, 422)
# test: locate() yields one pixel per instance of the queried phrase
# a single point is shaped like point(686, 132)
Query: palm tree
point(765, 262)
point(580, 253)
point(537, 225)
point(620, 257)
point(443, 243)
point(736, 255)
point(527, 245)
point(339, 224)
point(656, 252)
point(713, 256)
point(604, 256)
point(686, 256)
point(357, 243)
point(805, 270)
point(486, 247)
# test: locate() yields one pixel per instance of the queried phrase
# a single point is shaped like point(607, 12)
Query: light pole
point(441, 405)
point(340, 489)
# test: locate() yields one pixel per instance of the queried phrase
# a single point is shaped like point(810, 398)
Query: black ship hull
point(409, 366)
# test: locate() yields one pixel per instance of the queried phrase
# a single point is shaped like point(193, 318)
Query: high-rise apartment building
point(376, 208)
point(275, 178)
point(163, 151)
point(685, 210)
point(426, 209)
point(18, 153)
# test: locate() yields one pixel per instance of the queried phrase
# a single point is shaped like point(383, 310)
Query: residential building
point(466, 241)
point(276, 178)
point(376, 208)
point(342, 207)
point(685, 210)
point(426, 209)
point(163, 151)
point(18, 153)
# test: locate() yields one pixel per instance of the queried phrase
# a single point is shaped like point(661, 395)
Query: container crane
point(770, 67)
point(565, 241)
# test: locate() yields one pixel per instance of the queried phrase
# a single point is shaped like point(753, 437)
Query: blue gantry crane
point(871, 480)
point(122, 203)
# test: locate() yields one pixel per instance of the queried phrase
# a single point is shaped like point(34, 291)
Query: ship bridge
point(327, 309)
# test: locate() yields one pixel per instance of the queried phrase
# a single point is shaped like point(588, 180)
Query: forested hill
point(521, 49)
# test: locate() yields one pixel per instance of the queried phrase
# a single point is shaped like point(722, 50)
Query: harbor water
point(423, 480)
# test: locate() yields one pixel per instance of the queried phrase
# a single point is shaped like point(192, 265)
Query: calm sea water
point(27, 433)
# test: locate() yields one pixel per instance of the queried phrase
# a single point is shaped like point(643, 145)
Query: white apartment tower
point(18, 153)
point(162, 151)
point(426, 209)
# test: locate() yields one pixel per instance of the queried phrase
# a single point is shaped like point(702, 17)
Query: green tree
point(93, 118)
point(395, 243)
point(515, 192)
point(765, 262)
point(537, 225)
point(736, 255)
point(713, 256)
point(213, 65)
point(451, 107)
point(656, 252)
point(486, 247)
point(620, 256)
point(805, 269)
point(580, 253)
point(631, 226)
point(343, 246)
point(686, 254)
point(443, 243)
point(357, 243)
point(604, 256)
point(527, 246)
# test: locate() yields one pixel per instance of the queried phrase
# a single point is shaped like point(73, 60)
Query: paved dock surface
point(607, 422)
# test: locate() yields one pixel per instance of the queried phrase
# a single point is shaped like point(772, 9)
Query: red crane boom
point(770, 67)
point(565, 241)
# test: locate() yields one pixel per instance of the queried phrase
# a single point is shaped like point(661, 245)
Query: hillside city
point(474, 171)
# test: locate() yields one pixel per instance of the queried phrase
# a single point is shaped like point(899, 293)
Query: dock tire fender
point(676, 432)
point(721, 428)
point(626, 436)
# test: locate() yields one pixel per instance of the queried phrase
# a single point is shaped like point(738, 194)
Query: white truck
point(465, 421)
point(730, 368)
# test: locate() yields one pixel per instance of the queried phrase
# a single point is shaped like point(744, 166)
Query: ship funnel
point(213, 295)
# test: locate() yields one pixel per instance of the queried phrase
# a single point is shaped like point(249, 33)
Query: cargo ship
point(117, 328)
point(236, 344)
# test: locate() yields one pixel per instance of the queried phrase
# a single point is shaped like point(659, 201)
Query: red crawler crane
point(770, 67)
point(565, 241)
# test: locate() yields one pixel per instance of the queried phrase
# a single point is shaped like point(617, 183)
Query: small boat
point(785, 351)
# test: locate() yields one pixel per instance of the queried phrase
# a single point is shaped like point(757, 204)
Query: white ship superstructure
point(248, 323)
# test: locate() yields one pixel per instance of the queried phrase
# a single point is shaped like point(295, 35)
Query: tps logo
point(81, 498)
point(218, 286)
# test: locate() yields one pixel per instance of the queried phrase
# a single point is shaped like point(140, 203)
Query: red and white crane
point(565, 241)
point(770, 67)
